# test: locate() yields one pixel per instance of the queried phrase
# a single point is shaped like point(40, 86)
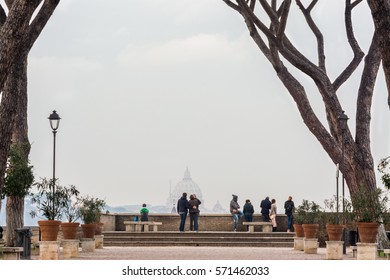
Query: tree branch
point(40, 21)
point(316, 31)
point(358, 53)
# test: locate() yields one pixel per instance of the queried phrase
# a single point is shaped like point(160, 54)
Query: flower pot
point(367, 231)
point(69, 230)
point(335, 231)
point(310, 230)
point(99, 228)
point(49, 229)
point(298, 230)
point(88, 230)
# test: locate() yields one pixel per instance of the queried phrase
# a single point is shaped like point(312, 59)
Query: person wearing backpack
point(289, 209)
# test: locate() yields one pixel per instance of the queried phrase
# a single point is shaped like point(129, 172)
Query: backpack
point(289, 207)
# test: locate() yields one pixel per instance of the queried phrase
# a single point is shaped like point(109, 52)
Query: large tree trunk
point(18, 33)
point(380, 10)
point(17, 85)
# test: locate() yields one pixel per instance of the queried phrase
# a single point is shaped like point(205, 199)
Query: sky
point(148, 88)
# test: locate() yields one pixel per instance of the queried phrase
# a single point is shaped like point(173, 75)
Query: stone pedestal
point(310, 245)
point(70, 248)
point(298, 243)
point(366, 251)
point(334, 250)
point(49, 250)
point(99, 241)
point(87, 244)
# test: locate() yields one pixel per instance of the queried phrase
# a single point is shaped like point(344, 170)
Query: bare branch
point(366, 89)
point(40, 21)
point(316, 31)
point(358, 53)
point(232, 5)
point(283, 19)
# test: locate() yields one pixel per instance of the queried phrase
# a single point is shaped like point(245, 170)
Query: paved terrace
point(202, 253)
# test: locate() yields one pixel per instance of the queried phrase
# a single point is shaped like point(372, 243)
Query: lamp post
point(54, 119)
point(343, 119)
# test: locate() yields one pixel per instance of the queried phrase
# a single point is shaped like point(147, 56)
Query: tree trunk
point(380, 10)
point(14, 220)
point(18, 33)
point(16, 85)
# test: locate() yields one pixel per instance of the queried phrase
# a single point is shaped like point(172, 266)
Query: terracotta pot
point(298, 230)
point(335, 231)
point(69, 230)
point(99, 228)
point(88, 230)
point(49, 230)
point(367, 231)
point(310, 230)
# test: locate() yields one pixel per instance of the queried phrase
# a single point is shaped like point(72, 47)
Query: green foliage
point(370, 205)
point(19, 173)
point(332, 215)
point(51, 203)
point(307, 213)
point(384, 169)
point(71, 209)
point(91, 208)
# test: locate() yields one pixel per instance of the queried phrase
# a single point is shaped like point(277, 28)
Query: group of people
point(268, 211)
point(192, 206)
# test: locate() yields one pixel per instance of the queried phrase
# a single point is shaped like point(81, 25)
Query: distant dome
point(188, 186)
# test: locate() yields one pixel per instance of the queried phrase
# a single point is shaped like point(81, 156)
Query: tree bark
point(16, 85)
point(380, 10)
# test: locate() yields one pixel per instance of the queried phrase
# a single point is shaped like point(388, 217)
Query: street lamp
point(54, 119)
point(343, 119)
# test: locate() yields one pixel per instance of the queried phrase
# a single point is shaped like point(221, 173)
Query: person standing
point(194, 203)
point(265, 206)
point(182, 209)
point(235, 211)
point(248, 212)
point(272, 214)
point(289, 209)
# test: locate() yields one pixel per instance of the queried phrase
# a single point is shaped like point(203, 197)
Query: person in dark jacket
point(248, 212)
point(265, 206)
point(194, 203)
point(289, 209)
point(182, 209)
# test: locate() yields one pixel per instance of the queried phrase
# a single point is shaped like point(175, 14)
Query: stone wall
point(170, 222)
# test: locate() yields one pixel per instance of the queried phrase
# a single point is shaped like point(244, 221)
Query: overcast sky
point(147, 88)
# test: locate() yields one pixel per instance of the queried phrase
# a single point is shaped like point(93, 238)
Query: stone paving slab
point(204, 253)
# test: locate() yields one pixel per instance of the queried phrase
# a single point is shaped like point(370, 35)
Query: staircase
point(226, 239)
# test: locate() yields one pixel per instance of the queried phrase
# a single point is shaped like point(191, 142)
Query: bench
point(387, 253)
point(133, 226)
point(12, 253)
point(265, 226)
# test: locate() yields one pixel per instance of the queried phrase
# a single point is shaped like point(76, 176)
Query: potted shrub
point(71, 211)
point(334, 219)
point(309, 214)
point(90, 211)
point(370, 210)
point(49, 201)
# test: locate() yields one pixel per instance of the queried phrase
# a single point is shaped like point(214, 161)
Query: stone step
point(121, 238)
